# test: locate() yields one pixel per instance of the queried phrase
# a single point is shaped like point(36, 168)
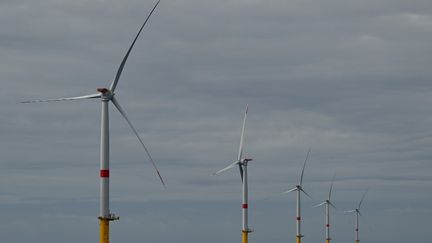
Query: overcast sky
point(350, 79)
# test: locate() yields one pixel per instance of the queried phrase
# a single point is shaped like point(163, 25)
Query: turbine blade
point(227, 168)
point(241, 171)
point(119, 108)
point(331, 186)
point(304, 165)
point(319, 205)
point(61, 99)
point(294, 189)
point(301, 189)
point(360, 213)
point(120, 69)
point(361, 201)
point(349, 211)
point(331, 204)
point(240, 152)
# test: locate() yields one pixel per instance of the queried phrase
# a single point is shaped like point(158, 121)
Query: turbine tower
point(357, 213)
point(242, 163)
point(106, 95)
point(298, 188)
point(328, 204)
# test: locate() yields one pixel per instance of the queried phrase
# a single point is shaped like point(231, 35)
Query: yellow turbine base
point(298, 238)
point(327, 241)
point(357, 241)
point(244, 237)
point(104, 230)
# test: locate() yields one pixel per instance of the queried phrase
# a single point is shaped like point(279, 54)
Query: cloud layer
point(349, 79)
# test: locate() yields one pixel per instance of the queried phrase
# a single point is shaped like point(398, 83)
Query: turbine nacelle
point(297, 188)
point(357, 211)
point(106, 94)
point(245, 161)
point(103, 90)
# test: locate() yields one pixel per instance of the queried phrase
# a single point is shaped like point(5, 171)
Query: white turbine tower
point(298, 188)
point(357, 213)
point(242, 163)
point(106, 95)
point(328, 204)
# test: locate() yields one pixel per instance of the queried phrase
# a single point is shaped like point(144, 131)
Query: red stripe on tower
point(244, 206)
point(104, 173)
point(298, 218)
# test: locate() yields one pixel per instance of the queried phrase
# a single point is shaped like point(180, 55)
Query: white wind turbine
point(298, 188)
point(357, 213)
point(328, 203)
point(106, 95)
point(242, 163)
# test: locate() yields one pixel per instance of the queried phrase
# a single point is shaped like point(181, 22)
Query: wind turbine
point(242, 163)
point(328, 203)
point(357, 213)
point(106, 95)
point(298, 188)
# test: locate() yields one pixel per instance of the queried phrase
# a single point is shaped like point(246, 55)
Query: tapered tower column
point(245, 227)
point(298, 218)
point(104, 173)
point(104, 161)
point(328, 223)
point(104, 214)
point(357, 229)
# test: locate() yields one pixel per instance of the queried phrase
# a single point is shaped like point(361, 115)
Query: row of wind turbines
point(242, 163)
point(107, 95)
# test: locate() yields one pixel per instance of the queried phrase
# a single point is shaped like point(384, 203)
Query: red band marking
point(327, 225)
point(356, 230)
point(298, 218)
point(244, 206)
point(104, 173)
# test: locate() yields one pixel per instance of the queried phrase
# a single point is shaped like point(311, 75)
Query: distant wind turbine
point(106, 95)
point(298, 188)
point(357, 213)
point(242, 163)
point(328, 203)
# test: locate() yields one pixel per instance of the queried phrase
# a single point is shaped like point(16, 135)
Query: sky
point(349, 79)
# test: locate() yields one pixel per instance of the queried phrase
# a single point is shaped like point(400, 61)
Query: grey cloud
point(349, 79)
